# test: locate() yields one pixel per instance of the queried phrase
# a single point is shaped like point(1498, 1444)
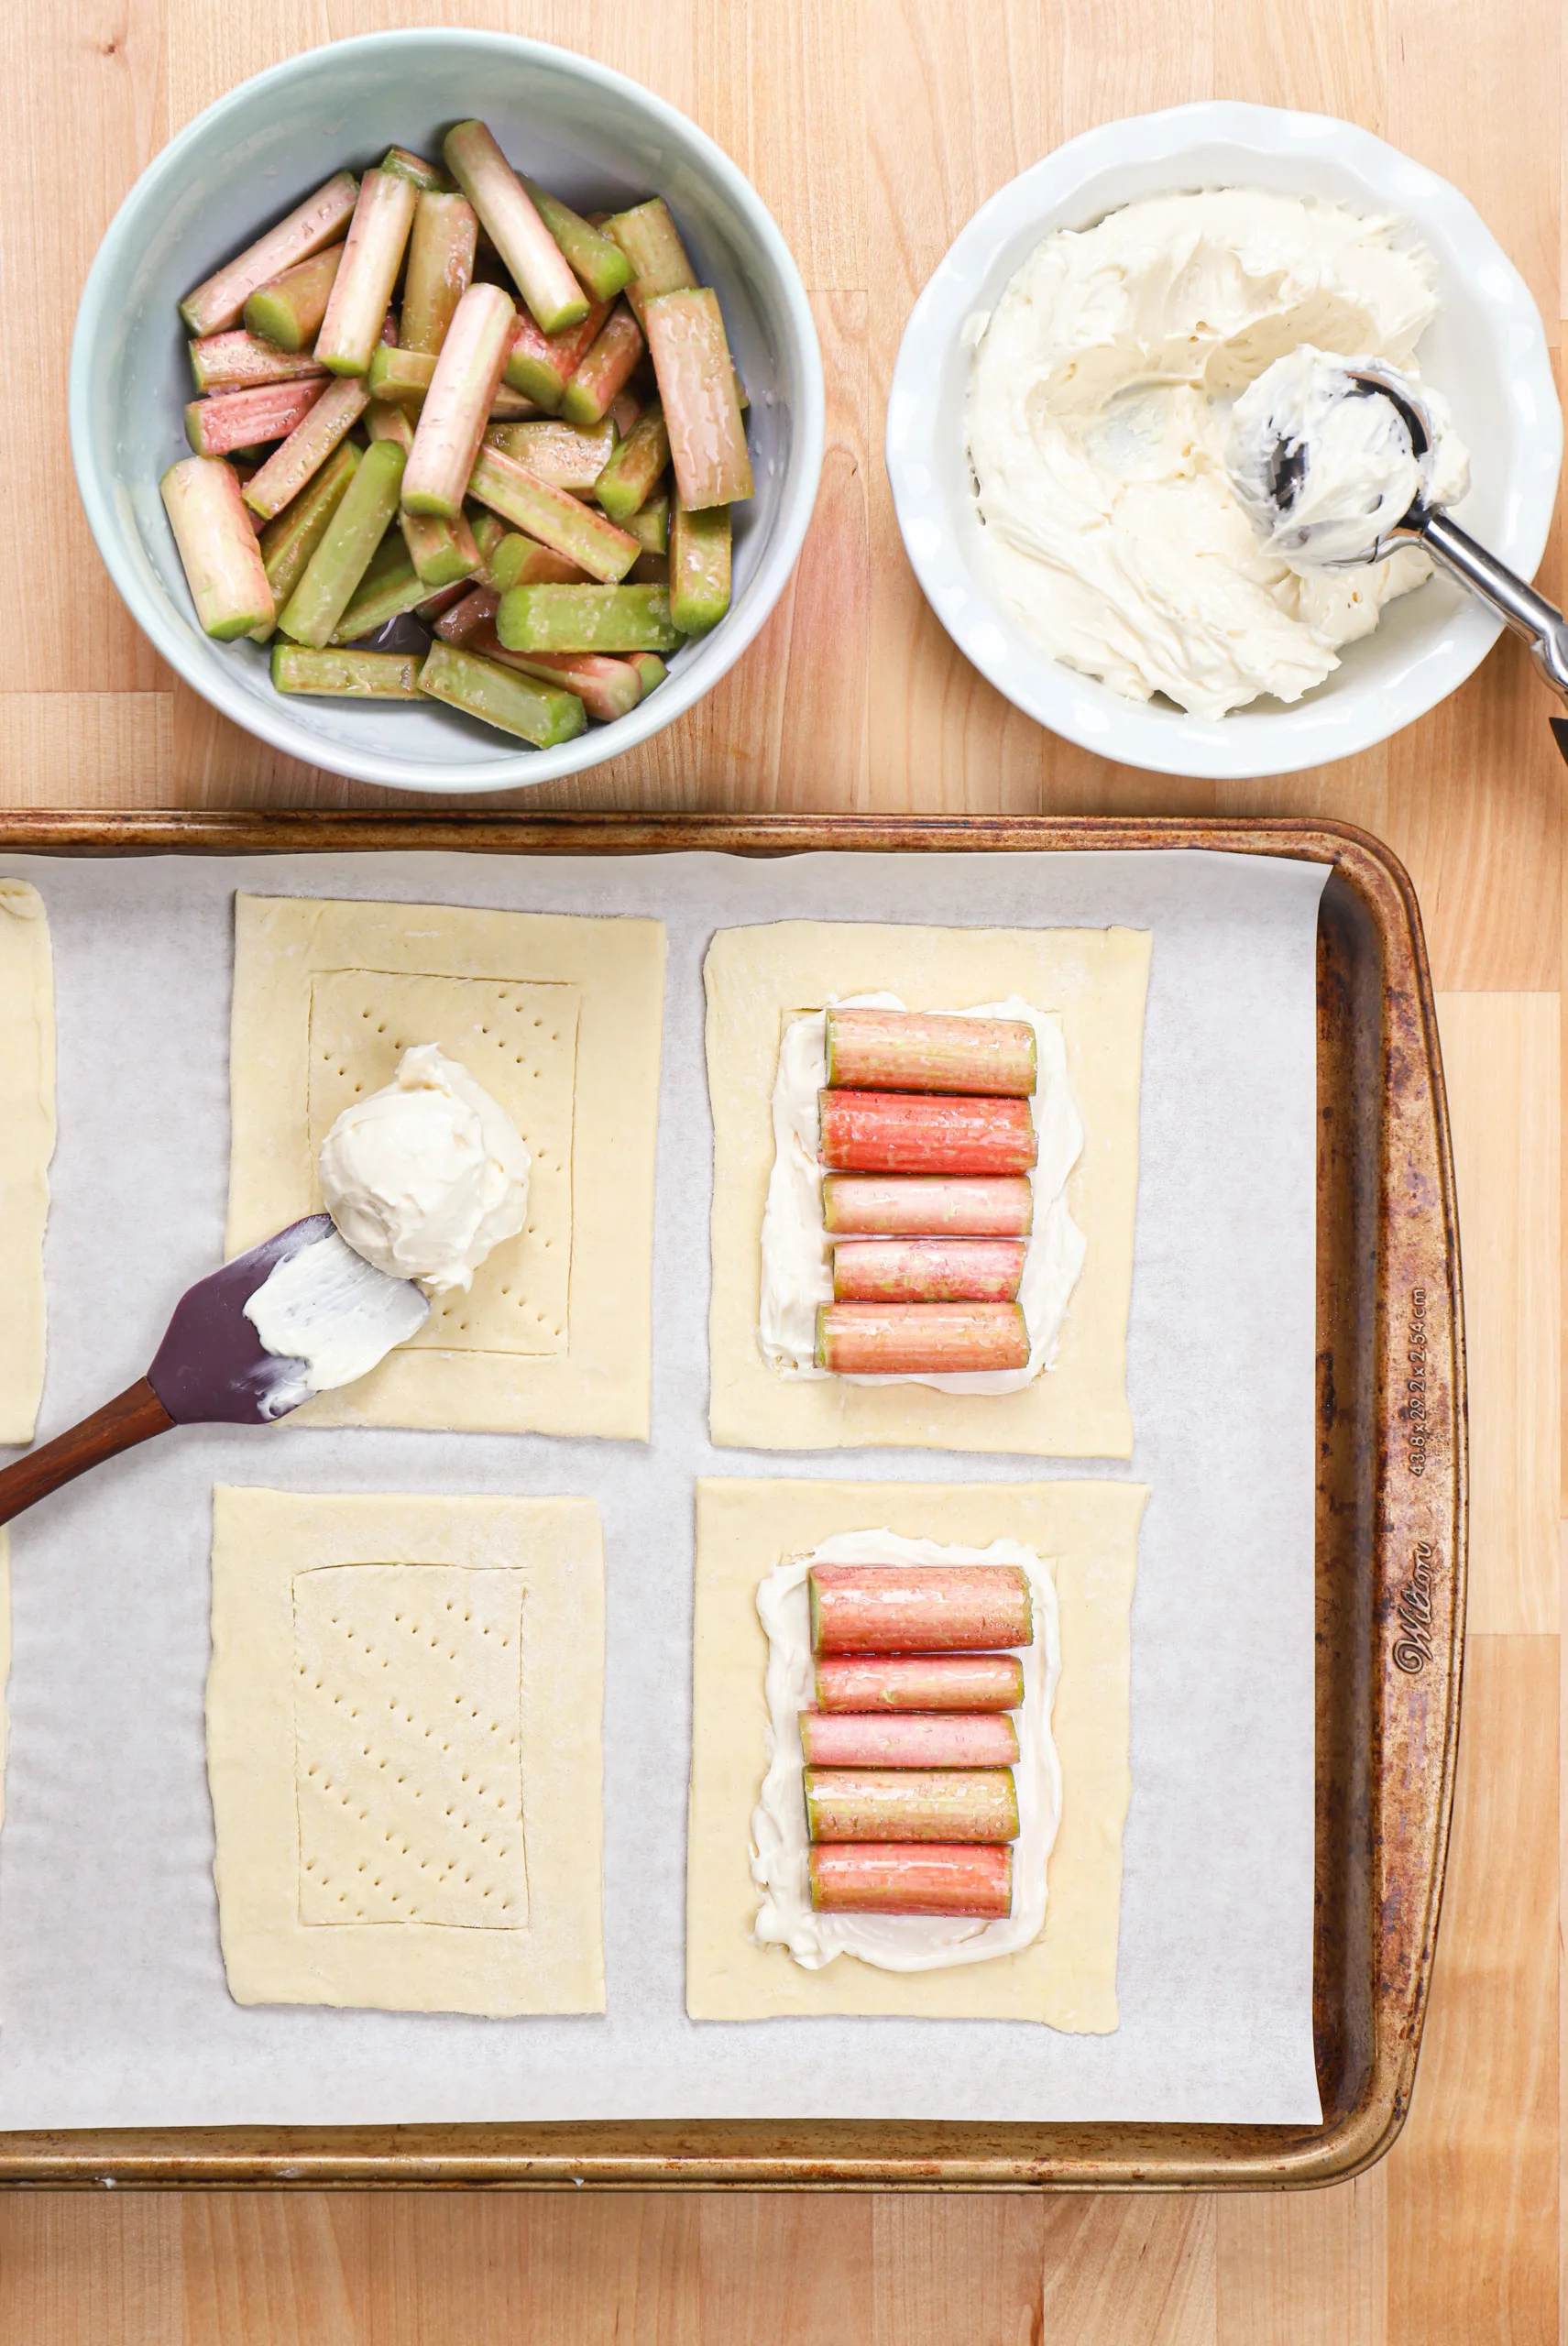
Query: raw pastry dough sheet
point(113, 2004)
point(1096, 981)
point(1088, 1535)
point(403, 1738)
point(26, 1143)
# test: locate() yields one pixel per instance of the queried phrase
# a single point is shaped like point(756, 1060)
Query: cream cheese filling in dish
point(1099, 415)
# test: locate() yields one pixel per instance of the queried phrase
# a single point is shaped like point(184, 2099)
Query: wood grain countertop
point(873, 128)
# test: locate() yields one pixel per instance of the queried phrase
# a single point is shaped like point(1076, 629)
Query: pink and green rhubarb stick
point(568, 455)
point(605, 368)
point(289, 541)
point(628, 478)
point(307, 448)
point(607, 688)
point(655, 255)
point(236, 361)
point(520, 561)
point(473, 616)
point(928, 1682)
point(401, 378)
point(908, 1740)
point(927, 1270)
point(697, 390)
point(586, 618)
point(218, 546)
point(699, 567)
point(440, 270)
point(898, 1131)
point(452, 421)
point(928, 1608)
point(362, 291)
point(511, 222)
point(917, 1206)
point(894, 1878)
point(538, 714)
point(220, 300)
point(540, 366)
point(409, 166)
point(593, 256)
point(920, 1338)
point(909, 1051)
point(390, 586)
point(346, 676)
point(442, 552)
point(911, 1803)
point(248, 419)
point(344, 554)
point(289, 309)
point(555, 519)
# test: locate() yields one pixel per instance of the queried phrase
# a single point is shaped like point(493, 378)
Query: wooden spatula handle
point(131, 1416)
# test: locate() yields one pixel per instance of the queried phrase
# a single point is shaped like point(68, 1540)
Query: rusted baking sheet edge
point(1416, 1601)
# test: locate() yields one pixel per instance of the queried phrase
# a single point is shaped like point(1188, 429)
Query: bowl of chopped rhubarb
point(447, 409)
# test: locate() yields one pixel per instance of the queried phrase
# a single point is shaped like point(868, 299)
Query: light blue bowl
point(594, 136)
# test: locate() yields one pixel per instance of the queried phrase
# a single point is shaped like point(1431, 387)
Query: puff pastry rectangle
point(1088, 1533)
point(1095, 981)
point(560, 1019)
point(26, 1144)
point(403, 1748)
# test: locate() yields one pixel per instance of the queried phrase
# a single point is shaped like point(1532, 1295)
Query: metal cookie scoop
point(1530, 615)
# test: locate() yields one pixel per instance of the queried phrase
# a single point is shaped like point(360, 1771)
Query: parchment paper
point(113, 2006)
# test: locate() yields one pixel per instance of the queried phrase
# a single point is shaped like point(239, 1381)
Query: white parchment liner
point(113, 2007)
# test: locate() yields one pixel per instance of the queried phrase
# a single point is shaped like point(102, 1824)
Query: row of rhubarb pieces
point(447, 394)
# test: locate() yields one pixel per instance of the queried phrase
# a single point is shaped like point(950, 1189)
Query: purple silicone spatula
point(213, 1368)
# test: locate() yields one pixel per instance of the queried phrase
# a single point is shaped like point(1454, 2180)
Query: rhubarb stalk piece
point(401, 378)
point(362, 291)
point(288, 310)
point(519, 561)
point(218, 546)
point(911, 1804)
point(220, 300)
point(871, 1204)
point(217, 427)
point(557, 520)
point(442, 552)
point(440, 270)
point(927, 1270)
point(912, 1050)
point(607, 688)
point(627, 482)
point(511, 222)
point(568, 455)
point(534, 712)
point(624, 410)
point(452, 421)
point(476, 611)
point(926, 1609)
point(288, 542)
point(597, 259)
point(236, 360)
point(540, 366)
point(652, 243)
point(390, 586)
point(899, 1131)
point(351, 538)
point(490, 534)
point(385, 419)
point(651, 526)
point(346, 676)
point(434, 606)
point(605, 367)
point(586, 618)
point(928, 1682)
point(699, 567)
point(409, 166)
point(908, 1740)
point(650, 668)
point(508, 406)
point(696, 387)
point(306, 449)
point(892, 1878)
point(920, 1338)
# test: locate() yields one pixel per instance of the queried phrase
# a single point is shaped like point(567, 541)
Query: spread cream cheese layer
point(797, 1263)
point(1098, 419)
point(331, 1316)
point(896, 1942)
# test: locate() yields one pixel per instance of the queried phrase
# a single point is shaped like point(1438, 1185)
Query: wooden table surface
point(874, 129)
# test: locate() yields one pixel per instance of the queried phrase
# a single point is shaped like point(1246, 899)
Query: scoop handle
point(133, 1416)
point(1540, 623)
